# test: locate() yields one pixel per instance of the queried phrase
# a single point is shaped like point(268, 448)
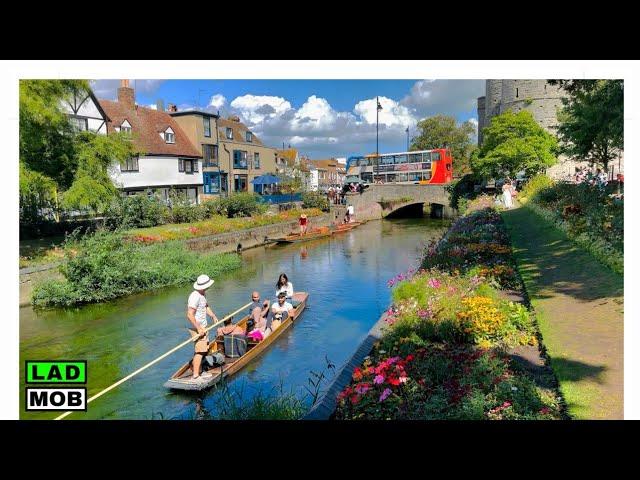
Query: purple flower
point(362, 389)
point(385, 394)
point(378, 379)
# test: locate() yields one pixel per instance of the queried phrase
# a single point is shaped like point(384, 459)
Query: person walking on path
point(506, 195)
point(197, 310)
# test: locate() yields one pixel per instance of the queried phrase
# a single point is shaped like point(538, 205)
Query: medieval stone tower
point(536, 96)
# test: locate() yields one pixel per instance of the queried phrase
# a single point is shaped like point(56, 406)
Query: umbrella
point(265, 179)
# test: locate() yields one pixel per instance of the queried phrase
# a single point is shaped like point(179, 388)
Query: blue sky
point(321, 118)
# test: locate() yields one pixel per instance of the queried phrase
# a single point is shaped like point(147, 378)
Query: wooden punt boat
point(310, 235)
point(181, 380)
point(345, 227)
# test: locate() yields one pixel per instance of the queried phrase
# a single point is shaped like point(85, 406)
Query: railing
point(285, 198)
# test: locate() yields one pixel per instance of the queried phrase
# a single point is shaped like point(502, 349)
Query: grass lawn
point(578, 303)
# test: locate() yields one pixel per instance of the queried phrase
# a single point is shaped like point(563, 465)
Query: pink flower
point(362, 389)
point(403, 379)
point(545, 410)
point(378, 379)
point(434, 283)
point(385, 394)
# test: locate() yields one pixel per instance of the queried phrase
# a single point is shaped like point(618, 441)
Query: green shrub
point(105, 266)
point(136, 211)
point(243, 204)
point(315, 200)
point(535, 185)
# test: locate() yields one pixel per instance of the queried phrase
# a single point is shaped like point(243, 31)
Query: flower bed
point(444, 353)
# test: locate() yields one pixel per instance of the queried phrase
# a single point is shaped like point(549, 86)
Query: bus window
point(426, 175)
point(401, 177)
point(415, 157)
point(436, 156)
point(367, 177)
point(401, 159)
point(415, 176)
point(391, 177)
point(386, 160)
point(426, 157)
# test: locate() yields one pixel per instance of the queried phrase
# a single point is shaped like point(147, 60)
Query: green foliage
point(514, 142)
point(592, 120)
point(136, 211)
point(37, 192)
point(242, 204)
point(461, 190)
point(46, 137)
point(588, 216)
point(315, 200)
point(439, 130)
point(105, 266)
point(535, 185)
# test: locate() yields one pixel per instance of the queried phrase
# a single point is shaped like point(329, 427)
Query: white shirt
point(286, 306)
point(350, 209)
point(199, 302)
point(288, 288)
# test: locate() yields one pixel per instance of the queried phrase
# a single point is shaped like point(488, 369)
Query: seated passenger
point(280, 311)
point(230, 329)
point(257, 313)
point(284, 285)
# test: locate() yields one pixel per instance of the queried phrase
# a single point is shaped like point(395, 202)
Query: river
point(346, 277)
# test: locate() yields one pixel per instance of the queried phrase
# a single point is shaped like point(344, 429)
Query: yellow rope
point(119, 382)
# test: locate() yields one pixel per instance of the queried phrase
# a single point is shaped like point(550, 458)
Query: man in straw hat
point(303, 223)
point(197, 310)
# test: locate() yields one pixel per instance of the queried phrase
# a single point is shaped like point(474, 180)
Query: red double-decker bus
point(422, 167)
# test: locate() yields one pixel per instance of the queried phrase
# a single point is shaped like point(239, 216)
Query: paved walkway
point(579, 306)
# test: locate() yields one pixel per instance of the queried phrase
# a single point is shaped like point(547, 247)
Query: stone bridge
point(379, 201)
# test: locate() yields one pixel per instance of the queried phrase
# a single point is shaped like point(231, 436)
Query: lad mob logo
point(56, 372)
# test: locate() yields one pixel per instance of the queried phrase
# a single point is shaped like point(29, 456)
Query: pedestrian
point(350, 212)
point(197, 310)
point(506, 194)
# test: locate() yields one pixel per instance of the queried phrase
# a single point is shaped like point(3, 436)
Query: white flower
point(514, 389)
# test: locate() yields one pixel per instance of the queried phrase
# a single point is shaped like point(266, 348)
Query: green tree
point(592, 119)
point(56, 162)
point(514, 142)
point(92, 188)
point(439, 130)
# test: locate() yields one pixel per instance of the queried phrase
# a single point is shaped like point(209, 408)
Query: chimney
point(160, 105)
point(234, 118)
point(172, 108)
point(126, 95)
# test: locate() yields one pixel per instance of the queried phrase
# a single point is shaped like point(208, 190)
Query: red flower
point(354, 399)
point(393, 381)
point(409, 358)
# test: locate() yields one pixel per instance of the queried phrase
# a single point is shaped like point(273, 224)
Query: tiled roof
point(290, 154)
point(330, 163)
point(145, 127)
point(239, 132)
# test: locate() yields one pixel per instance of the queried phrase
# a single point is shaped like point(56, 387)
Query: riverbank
point(220, 243)
point(455, 345)
point(579, 304)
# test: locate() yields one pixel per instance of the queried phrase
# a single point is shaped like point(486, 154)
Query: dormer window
point(169, 136)
point(126, 127)
point(249, 137)
point(230, 133)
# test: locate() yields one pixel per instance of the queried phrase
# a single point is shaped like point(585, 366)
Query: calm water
point(346, 277)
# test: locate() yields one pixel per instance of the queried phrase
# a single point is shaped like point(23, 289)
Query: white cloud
point(217, 101)
point(257, 108)
point(152, 106)
point(392, 112)
point(448, 97)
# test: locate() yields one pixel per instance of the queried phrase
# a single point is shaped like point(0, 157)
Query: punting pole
point(153, 362)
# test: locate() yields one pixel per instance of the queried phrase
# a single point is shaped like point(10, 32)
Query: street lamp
point(407, 130)
point(378, 108)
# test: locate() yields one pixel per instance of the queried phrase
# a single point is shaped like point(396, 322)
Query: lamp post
point(407, 138)
point(378, 108)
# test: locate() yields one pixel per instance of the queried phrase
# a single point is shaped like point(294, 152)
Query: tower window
point(516, 93)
